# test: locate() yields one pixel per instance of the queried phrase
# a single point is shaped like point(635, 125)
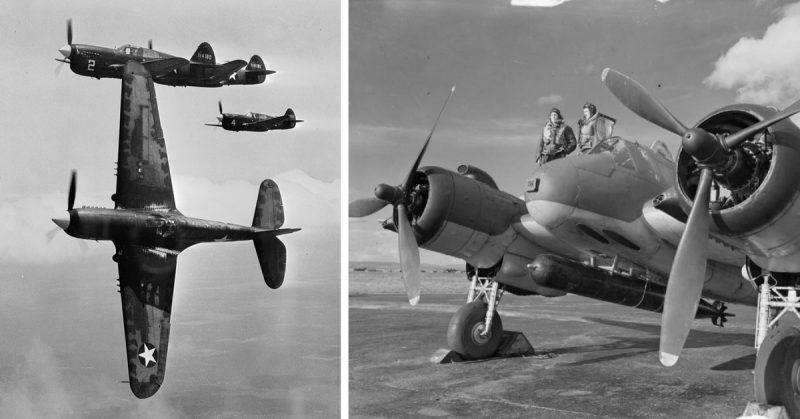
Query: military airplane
point(149, 232)
point(628, 225)
point(202, 70)
point(255, 121)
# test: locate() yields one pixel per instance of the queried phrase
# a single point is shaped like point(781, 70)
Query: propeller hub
point(704, 147)
point(62, 222)
point(220, 118)
point(389, 193)
point(66, 51)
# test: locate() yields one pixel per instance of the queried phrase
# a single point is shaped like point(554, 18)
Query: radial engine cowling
point(759, 184)
point(461, 216)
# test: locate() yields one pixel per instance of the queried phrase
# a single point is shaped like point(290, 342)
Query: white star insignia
point(147, 355)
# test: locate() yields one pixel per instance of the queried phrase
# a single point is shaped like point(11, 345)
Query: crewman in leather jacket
point(557, 140)
point(587, 128)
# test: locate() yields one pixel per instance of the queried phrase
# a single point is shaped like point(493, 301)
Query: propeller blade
point(407, 182)
point(409, 255)
point(69, 31)
point(686, 276)
point(220, 106)
point(639, 101)
point(739, 136)
point(149, 44)
point(52, 234)
point(72, 187)
point(366, 206)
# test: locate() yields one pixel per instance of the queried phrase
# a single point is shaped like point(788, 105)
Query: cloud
point(549, 100)
point(763, 70)
point(538, 3)
point(308, 202)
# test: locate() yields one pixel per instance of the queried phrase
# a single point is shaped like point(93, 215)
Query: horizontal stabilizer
point(272, 257)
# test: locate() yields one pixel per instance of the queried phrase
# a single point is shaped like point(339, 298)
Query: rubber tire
point(463, 332)
point(770, 372)
point(790, 390)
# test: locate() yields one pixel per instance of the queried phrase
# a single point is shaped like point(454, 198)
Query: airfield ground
point(597, 359)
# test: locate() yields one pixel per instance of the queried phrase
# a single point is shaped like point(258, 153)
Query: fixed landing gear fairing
point(628, 225)
point(149, 232)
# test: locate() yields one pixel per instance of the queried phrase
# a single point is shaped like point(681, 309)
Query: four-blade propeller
point(398, 196)
point(711, 152)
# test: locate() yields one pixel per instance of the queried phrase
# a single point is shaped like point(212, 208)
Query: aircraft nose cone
point(66, 51)
point(552, 192)
point(62, 222)
point(219, 118)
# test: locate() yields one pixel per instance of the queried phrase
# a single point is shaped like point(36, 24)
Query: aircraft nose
point(552, 192)
point(66, 51)
point(62, 222)
point(219, 118)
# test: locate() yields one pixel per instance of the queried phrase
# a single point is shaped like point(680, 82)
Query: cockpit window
point(619, 148)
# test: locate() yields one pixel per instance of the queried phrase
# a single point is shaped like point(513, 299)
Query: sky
point(60, 302)
point(513, 61)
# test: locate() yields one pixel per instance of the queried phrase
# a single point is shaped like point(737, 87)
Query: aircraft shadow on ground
point(634, 346)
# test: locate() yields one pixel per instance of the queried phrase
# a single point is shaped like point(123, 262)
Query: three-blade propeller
point(398, 196)
point(710, 152)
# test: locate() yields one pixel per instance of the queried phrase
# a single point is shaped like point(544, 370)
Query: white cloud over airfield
point(765, 70)
point(308, 202)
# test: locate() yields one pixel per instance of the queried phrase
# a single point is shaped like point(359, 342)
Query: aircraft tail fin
point(255, 72)
point(269, 207)
point(291, 121)
point(270, 250)
point(204, 54)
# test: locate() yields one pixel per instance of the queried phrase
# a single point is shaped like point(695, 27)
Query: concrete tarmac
point(597, 360)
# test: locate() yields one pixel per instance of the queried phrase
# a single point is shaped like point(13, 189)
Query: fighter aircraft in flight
point(202, 70)
point(255, 121)
point(627, 225)
point(149, 232)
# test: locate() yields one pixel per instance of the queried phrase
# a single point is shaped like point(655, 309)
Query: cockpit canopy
point(137, 51)
point(629, 154)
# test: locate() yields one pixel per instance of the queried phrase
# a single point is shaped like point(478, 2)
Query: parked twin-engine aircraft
point(255, 121)
point(628, 225)
point(149, 232)
point(202, 70)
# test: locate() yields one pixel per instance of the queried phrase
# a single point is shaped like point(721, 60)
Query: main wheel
point(464, 334)
point(790, 390)
point(776, 360)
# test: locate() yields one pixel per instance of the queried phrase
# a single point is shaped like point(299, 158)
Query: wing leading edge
point(146, 283)
point(143, 176)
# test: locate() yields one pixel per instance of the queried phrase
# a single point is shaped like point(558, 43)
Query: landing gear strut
point(476, 329)
point(777, 370)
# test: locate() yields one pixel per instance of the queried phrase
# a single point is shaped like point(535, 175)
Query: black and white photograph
point(556, 205)
point(136, 136)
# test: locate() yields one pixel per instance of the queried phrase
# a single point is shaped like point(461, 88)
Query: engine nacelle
point(462, 217)
point(761, 180)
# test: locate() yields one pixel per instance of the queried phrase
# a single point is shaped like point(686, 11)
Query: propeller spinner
point(398, 196)
point(711, 152)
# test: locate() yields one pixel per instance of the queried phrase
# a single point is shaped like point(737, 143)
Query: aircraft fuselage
point(170, 230)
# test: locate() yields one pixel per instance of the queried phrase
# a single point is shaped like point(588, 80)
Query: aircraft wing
point(146, 282)
point(223, 71)
point(164, 65)
point(143, 176)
